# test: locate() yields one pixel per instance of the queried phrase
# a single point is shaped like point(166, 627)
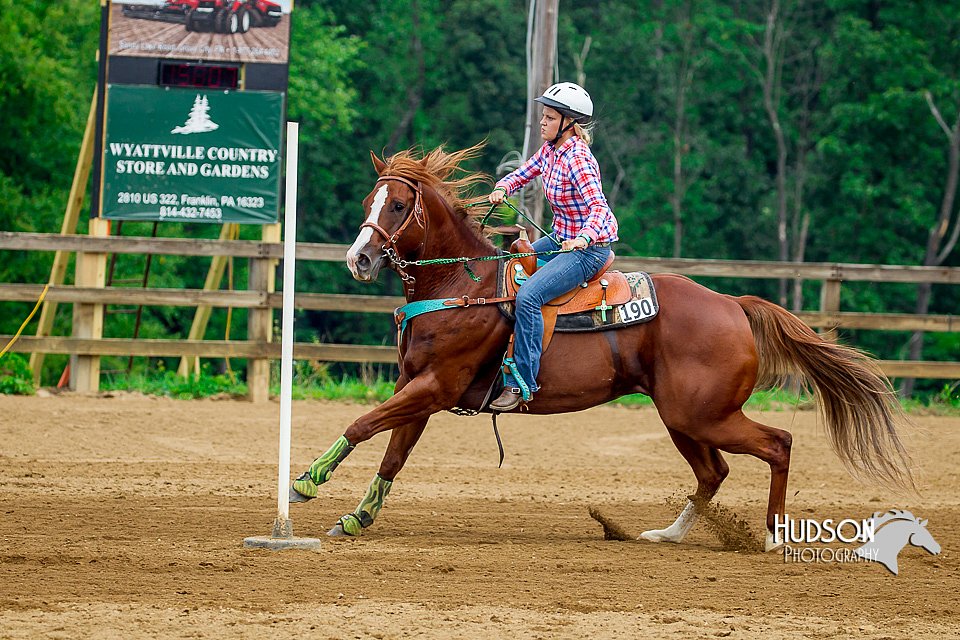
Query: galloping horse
point(699, 359)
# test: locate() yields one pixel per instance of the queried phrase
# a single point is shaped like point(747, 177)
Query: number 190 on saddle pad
point(610, 301)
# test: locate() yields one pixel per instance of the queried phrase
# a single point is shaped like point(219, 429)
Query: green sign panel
point(192, 155)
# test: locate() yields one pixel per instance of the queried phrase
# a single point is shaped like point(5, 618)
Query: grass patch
point(15, 376)
point(312, 381)
point(766, 400)
point(345, 389)
point(944, 403)
point(170, 385)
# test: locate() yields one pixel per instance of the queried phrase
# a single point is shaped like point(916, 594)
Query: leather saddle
point(602, 292)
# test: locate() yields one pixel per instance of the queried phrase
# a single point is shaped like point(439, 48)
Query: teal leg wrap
point(514, 377)
point(366, 512)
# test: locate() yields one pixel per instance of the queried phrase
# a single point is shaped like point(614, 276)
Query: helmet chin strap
point(562, 130)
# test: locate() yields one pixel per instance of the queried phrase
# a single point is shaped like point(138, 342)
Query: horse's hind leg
point(402, 441)
point(709, 468)
point(739, 434)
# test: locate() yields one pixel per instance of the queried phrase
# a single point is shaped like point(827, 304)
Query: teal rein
point(465, 260)
point(407, 312)
point(509, 204)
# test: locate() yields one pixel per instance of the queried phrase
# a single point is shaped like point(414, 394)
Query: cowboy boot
point(509, 400)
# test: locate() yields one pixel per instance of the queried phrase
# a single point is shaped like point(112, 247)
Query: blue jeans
point(561, 273)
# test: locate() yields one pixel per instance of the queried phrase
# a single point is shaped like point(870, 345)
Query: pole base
point(282, 538)
point(279, 544)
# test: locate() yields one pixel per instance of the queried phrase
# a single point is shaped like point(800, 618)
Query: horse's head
point(922, 538)
point(893, 530)
point(395, 222)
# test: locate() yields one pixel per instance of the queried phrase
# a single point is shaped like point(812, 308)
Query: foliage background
point(861, 158)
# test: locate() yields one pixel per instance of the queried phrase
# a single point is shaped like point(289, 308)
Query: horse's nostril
point(363, 262)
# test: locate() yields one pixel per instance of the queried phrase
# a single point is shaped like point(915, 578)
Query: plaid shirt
point(571, 184)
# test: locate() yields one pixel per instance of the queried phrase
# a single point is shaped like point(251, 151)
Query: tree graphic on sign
point(198, 121)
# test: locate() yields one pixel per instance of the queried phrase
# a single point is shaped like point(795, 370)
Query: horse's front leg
point(412, 405)
point(402, 441)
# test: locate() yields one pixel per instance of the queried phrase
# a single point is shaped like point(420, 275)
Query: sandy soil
point(125, 516)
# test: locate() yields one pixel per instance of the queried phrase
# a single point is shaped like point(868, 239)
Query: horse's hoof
point(303, 489)
point(347, 526)
point(296, 496)
point(772, 543)
point(659, 535)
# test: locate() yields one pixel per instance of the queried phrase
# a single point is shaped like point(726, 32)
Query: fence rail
point(204, 349)
point(337, 253)
point(386, 304)
point(328, 352)
point(88, 299)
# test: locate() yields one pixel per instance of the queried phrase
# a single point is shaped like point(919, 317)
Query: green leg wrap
point(366, 512)
point(322, 468)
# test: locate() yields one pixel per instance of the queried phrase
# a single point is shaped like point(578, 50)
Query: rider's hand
point(576, 243)
point(497, 196)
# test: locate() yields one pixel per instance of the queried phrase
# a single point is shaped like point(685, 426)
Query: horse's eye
point(398, 206)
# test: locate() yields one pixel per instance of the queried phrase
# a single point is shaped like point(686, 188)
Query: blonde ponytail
point(583, 133)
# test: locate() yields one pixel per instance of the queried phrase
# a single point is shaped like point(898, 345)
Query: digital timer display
point(208, 76)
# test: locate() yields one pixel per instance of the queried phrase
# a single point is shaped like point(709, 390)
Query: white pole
point(282, 537)
point(286, 327)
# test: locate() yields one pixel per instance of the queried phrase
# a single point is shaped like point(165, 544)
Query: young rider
point(582, 221)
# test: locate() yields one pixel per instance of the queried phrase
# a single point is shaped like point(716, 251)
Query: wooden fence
point(89, 295)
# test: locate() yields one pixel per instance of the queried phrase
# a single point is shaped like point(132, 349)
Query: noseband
point(390, 246)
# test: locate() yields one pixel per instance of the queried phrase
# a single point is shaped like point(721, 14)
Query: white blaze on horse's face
point(366, 233)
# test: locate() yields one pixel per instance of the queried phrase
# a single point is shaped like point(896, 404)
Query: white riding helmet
point(569, 99)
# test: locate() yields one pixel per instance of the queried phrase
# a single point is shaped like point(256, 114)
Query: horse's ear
point(378, 164)
point(924, 523)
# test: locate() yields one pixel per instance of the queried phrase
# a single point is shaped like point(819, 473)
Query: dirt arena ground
point(124, 517)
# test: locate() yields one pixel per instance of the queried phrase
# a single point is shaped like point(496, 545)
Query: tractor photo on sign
point(229, 30)
point(221, 16)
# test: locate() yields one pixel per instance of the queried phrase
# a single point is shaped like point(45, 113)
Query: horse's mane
point(441, 170)
point(881, 519)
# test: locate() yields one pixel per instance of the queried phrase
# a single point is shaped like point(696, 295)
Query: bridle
point(390, 246)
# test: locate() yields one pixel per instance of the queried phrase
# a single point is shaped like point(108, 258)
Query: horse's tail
point(857, 402)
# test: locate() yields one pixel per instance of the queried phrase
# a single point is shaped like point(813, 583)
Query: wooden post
point(71, 216)
point(830, 303)
point(202, 315)
point(542, 65)
point(260, 320)
point(88, 318)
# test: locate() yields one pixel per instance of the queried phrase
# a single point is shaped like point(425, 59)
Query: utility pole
point(541, 62)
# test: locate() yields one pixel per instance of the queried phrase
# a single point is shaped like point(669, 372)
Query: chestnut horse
point(699, 359)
